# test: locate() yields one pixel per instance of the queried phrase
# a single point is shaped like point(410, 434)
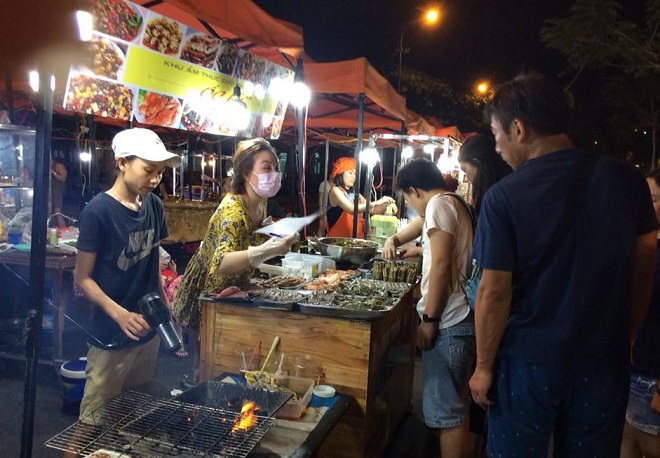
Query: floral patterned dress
point(230, 229)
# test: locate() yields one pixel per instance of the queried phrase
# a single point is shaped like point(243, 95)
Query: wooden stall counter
point(371, 361)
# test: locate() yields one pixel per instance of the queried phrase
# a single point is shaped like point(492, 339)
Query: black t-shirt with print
point(126, 246)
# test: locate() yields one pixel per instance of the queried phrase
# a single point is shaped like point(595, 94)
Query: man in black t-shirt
point(117, 264)
point(553, 347)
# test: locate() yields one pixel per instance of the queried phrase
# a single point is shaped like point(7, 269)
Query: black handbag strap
point(575, 201)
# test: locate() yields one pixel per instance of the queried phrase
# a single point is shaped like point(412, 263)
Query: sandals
point(182, 353)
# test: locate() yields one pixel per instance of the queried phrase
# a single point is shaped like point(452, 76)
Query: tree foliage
point(431, 96)
point(597, 37)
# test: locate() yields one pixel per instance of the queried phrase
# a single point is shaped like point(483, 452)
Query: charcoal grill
point(141, 425)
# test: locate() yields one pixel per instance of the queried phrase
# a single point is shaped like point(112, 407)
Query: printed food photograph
point(117, 18)
point(253, 67)
point(227, 59)
point(157, 109)
point(106, 58)
point(195, 121)
point(87, 94)
point(163, 35)
point(200, 49)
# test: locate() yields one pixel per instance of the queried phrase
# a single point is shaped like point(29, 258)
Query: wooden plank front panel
point(340, 347)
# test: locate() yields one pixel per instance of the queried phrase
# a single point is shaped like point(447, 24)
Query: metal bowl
point(342, 254)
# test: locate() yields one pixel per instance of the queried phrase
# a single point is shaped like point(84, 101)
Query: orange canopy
point(335, 89)
point(242, 20)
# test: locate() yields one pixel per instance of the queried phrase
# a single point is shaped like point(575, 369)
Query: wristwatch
point(428, 319)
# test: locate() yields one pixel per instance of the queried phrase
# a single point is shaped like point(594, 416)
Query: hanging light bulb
point(237, 115)
point(34, 80)
point(300, 94)
point(369, 156)
point(407, 152)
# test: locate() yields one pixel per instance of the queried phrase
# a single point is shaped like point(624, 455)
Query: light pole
point(430, 16)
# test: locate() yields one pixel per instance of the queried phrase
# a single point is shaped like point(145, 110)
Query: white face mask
point(268, 184)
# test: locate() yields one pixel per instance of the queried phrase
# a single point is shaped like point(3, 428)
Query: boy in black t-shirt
point(118, 263)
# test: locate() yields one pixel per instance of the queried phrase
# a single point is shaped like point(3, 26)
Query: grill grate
point(141, 425)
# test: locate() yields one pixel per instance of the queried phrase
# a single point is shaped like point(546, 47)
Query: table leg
point(58, 297)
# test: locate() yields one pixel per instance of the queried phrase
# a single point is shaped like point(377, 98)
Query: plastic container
point(72, 374)
point(306, 265)
point(303, 387)
point(307, 269)
point(14, 237)
point(384, 226)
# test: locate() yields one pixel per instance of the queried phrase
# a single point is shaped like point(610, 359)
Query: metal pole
point(10, 97)
point(37, 257)
point(367, 196)
point(324, 196)
point(358, 171)
point(400, 58)
point(301, 160)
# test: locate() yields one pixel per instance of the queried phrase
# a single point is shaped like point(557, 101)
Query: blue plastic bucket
point(72, 374)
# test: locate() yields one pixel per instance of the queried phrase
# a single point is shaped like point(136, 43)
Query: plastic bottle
point(52, 236)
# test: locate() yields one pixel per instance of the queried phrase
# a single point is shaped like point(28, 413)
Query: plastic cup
point(248, 359)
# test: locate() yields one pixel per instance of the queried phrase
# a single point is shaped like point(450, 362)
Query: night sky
point(476, 39)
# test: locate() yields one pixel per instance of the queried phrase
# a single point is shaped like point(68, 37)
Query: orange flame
point(248, 418)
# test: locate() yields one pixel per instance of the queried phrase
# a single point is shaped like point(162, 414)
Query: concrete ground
point(412, 439)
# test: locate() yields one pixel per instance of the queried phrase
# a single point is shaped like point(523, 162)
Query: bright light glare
point(237, 116)
point(266, 120)
point(52, 83)
point(429, 148)
point(369, 156)
point(407, 152)
point(34, 80)
point(300, 94)
point(85, 22)
point(248, 88)
point(277, 88)
point(259, 92)
point(432, 16)
point(482, 88)
point(85, 156)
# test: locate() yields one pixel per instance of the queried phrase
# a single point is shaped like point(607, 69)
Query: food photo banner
point(150, 68)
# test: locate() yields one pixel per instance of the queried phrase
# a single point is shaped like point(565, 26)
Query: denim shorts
point(446, 371)
point(639, 413)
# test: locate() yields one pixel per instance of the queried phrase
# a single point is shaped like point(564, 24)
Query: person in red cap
point(342, 197)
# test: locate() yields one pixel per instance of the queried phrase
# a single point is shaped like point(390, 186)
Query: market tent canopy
point(240, 21)
point(416, 124)
point(336, 87)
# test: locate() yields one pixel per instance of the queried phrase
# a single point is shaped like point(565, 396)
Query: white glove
point(275, 246)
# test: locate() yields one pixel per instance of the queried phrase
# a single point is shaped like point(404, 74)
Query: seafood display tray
point(275, 305)
point(343, 312)
point(244, 301)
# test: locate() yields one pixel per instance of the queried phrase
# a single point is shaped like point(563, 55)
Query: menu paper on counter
point(288, 226)
point(145, 66)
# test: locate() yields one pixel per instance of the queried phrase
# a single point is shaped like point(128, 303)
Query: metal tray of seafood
point(275, 305)
point(365, 287)
point(343, 312)
point(242, 301)
point(280, 299)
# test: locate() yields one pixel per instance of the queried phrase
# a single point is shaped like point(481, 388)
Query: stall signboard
point(144, 66)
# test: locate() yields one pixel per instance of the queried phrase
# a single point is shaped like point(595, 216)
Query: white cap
point(145, 144)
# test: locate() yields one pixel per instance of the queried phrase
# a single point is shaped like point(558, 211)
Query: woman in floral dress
point(229, 253)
